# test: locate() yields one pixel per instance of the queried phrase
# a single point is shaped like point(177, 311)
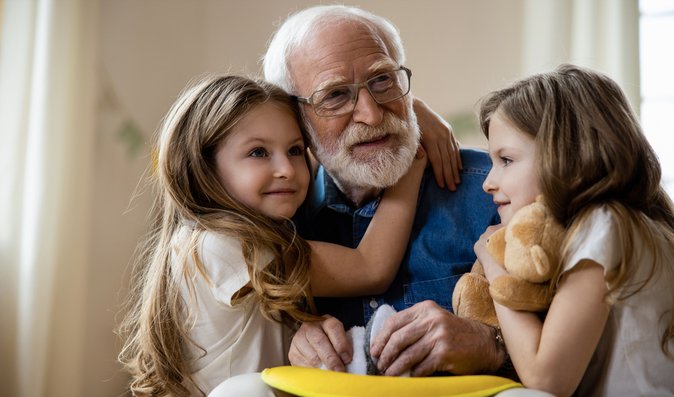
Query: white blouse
point(628, 360)
point(235, 339)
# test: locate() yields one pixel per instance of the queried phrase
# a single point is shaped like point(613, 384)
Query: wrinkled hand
point(322, 342)
point(440, 144)
point(426, 338)
point(492, 269)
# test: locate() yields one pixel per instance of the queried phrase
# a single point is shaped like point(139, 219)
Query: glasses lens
point(339, 100)
point(388, 87)
point(332, 101)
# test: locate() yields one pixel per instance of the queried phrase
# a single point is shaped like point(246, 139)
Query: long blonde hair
point(591, 151)
point(188, 190)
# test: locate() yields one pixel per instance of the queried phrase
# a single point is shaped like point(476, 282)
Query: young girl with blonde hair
point(571, 136)
point(224, 274)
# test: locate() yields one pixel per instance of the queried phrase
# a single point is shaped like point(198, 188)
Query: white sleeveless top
point(628, 360)
point(237, 339)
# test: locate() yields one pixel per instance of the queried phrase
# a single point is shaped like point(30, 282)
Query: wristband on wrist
point(499, 338)
point(506, 369)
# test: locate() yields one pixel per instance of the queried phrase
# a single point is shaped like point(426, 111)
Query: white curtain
point(47, 105)
point(601, 34)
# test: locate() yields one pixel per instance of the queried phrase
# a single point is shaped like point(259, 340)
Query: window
point(656, 32)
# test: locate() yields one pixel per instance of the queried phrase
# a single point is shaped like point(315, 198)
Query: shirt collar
point(326, 194)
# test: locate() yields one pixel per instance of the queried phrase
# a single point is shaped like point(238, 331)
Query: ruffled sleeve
point(596, 240)
point(225, 266)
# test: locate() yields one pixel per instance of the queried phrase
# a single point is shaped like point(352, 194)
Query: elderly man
point(346, 67)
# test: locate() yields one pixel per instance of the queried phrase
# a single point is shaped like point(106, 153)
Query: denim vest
point(446, 226)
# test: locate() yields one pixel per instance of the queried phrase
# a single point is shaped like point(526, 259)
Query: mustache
point(357, 132)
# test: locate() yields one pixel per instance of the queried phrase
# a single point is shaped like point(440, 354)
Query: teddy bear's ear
point(541, 262)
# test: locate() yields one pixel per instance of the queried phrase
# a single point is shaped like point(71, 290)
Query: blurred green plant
point(113, 111)
point(132, 136)
point(466, 129)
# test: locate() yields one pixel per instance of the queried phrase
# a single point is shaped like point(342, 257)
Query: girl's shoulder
point(211, 247)
point(214, 261)
point(618, 244)
point(595, 238)
point(220, 259)
point(219, 254)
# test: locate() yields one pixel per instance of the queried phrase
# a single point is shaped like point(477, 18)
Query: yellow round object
point(323, 383)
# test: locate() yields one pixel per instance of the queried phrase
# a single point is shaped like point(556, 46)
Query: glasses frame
point(357, 86)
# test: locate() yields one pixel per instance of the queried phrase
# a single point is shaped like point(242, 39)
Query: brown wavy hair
point(187, 189)
point(591, 151)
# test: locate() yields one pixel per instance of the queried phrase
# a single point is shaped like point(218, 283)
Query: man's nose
point(367, 110)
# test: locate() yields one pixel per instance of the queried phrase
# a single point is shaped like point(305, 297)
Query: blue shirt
point(446, 226)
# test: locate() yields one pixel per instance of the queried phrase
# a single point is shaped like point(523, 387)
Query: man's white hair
point(297, 28)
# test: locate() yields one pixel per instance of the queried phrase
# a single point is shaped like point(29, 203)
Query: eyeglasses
point(340, 100)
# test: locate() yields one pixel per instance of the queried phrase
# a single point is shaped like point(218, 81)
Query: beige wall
point(149, 50)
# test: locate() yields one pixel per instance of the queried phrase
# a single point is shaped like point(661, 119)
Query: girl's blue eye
point(506, 161)
point(296, 151)
point(258, 152)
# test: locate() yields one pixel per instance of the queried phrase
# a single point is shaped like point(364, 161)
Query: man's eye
point(381, 83)
point(333, 97)
point(296, 151)
point(338, 92)
point(257, 152)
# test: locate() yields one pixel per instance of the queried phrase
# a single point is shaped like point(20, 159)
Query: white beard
point(377, 168)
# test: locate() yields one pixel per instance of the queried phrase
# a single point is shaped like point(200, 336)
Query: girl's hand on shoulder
point(420, 159)
point(412, 179)
point(492, 269)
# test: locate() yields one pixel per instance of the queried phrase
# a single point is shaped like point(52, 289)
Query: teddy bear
point(529, 249)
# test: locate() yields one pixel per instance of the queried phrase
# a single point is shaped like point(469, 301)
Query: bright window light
point(656, 34)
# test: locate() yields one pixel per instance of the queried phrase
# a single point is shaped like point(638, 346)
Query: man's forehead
point(376, 67)
point(345, 52)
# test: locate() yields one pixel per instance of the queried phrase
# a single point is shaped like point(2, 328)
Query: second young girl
point(224, 268)
point(571, 136)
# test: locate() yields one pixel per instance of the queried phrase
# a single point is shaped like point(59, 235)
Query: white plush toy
point(362, 362)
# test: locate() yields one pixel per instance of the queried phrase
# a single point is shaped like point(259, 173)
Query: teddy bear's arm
point(471, 297)
point(518, 294)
